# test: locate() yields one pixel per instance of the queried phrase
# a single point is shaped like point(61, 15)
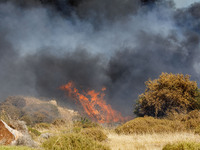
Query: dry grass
point(153, 141)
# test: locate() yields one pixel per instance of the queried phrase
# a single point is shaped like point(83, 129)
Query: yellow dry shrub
point(94, 133)
point(168, 92)
point(150, 125)
point(190, 120)
point(73, 142)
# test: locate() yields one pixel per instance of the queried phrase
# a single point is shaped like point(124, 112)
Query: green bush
point(73, 142)
point(34, 132)
point(182, 146)
point(42, 126)
point(95, 134)
point(77, 129)
point(150, 125)
point(85, 123)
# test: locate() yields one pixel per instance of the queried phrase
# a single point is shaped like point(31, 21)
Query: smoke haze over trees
point(112, 43)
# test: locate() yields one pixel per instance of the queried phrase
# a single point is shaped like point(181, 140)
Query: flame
point(94, 104)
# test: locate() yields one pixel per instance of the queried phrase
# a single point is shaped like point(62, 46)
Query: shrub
point(33, 132)
point(42, 126)
point(149, 125)
point(59, 122)
point(95, 134)
point(197, 130)
point(73, 141)
point(190, 120)
point(77, 129)
point(85, 123)
point(168, 92)
point(182, 146)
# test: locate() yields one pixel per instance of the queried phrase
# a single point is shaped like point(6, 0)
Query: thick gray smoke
point(112, 43)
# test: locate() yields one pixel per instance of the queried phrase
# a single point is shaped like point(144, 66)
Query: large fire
point(94, 104)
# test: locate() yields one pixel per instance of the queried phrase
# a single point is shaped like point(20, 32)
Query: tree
point(169, 92)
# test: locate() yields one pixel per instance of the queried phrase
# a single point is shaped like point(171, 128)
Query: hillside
point(33, 110)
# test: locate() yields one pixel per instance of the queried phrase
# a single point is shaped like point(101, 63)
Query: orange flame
point(94, 104)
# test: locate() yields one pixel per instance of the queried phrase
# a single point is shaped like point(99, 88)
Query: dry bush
point(73, 141)
point(59, 122)
point(11, 111)
point(150, 125)
point(190, 120)
point(182, 146)
point(42, 112)
point(96, 134)
point(169, 91)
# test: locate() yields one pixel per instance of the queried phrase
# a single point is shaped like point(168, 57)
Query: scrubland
point(173, 132)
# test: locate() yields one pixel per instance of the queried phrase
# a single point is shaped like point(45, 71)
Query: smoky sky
point(112, 43)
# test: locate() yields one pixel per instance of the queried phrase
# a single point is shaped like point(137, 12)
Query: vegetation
point(15, 148)
point(73, 141)
point(96, 134)
point(21, 108)
point(182, 146)
point(143, 125)
point(85, 123)
point(170, 92)
point(33, 132)
point(42, 125)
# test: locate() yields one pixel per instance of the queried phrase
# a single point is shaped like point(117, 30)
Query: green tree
point(170, 92)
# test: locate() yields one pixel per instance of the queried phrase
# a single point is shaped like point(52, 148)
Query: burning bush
point(168, 92)
point(150, 125)
point(73, 141)
point(93, 104)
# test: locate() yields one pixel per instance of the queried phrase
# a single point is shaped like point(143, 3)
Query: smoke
point(112, 43)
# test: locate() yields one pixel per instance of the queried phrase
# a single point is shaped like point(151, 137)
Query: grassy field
point(15, 148)
point(145, 141)
point(153, 141)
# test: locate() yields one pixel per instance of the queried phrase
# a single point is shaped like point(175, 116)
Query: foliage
point(168, 92)
point(95, 134)
point(150, 125)
point(59, 122)
point(190, 120)
point(73, 142)
point(85, 123)
point(182, 146)
point(33, 132)
point(42, 126)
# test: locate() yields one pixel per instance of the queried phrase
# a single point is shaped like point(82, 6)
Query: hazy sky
point(184, 3)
